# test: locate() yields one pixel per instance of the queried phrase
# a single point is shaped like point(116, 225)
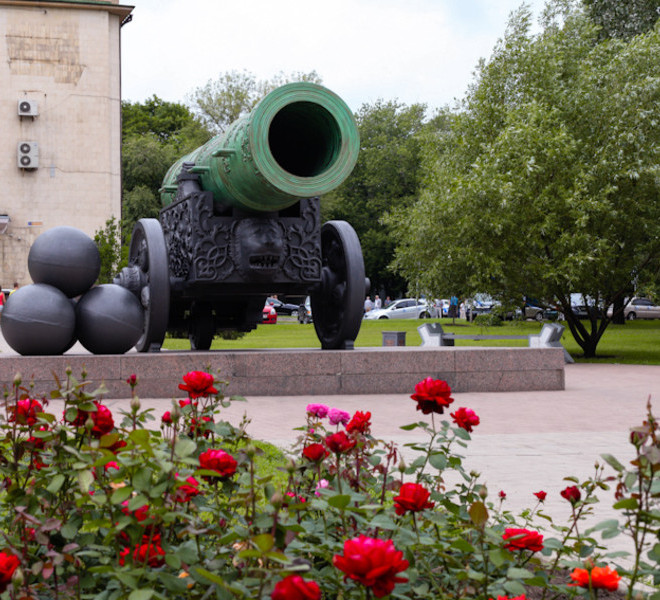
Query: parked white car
point(639, 308)
point(406, 308)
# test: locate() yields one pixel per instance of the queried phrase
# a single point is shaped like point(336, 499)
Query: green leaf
point(212, 577)
point(478, 513)
point(613, 462)
point(264, 542)
point(438, 461)
point(499, 557)
point(85, 480)
point(339, 501)
point(184, 447)
point(515, 588)
point(626, 504)
point(517, 573)
point(137, 502)
point(463, 545)
point(143, 594)
point(121, 494)
point(56, 483)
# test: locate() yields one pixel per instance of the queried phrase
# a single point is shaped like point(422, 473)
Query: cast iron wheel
point(338, 302)
point(202, 328)
point(148, 253)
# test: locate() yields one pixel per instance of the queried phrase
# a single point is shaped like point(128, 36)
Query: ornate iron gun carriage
point(241, 220)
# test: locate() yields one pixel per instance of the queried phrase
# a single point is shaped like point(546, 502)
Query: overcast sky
point(364, 50)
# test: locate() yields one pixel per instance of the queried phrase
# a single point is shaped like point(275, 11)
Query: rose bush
point(105, 507)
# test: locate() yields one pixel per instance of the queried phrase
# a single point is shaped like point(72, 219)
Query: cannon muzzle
point(300, 141)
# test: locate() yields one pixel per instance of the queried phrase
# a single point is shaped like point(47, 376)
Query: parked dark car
point(283, 308)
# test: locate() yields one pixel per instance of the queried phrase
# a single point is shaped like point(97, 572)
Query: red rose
point(25, 411)
point(117, 446)
point(185, 492)
point(522, 539)
point(412, 498)
point(198, 383)
point(132, 380)
point(315, 452)
point(149, 553)
point(540, 495)
point(103, 421)
point(432, 395)
point(465, 418)
point(219, 461)
point(572, 494)
point(601, 578)
point(8, 564)
point(360, 422)
point(166, 418)
point(339, 442)
point(502, 494)
point(197, 428)
point(294, 587)
point(372, 562)
point(101, 417)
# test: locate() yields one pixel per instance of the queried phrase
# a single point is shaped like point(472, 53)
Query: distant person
point(368, 304)
point(378, 303)
point(15, 288)
point(388, 301)
point(453, 307)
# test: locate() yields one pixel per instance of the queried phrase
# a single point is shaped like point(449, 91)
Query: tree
point(155, 135)
point(623, 18)
point(235, 93)
point(386, 175)
point(547, 183)
point(108, 241)
point(164, 120)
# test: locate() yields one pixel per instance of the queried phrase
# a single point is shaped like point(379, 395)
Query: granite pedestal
point(294, 372)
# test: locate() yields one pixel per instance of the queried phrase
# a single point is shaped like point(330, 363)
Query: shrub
point(176, 506)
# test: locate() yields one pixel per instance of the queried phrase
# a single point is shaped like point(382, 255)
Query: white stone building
point(60, 121)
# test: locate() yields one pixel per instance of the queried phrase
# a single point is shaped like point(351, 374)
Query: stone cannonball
point(38, 319)
point(109, 319)
point(65, 258)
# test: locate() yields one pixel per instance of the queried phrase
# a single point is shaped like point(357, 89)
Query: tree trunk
point(618, 317)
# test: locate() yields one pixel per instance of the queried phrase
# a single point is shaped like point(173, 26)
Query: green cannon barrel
point(300, 141)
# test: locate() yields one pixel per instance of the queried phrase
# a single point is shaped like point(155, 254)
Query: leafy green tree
point(164, 120)
point(386, 175)
point(235, 93)
point(108, 241)
point(623, 18)
point(547, 183)
point(155, 134)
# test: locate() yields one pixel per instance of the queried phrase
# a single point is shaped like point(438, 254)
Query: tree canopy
point(387, 175)
point(233, 94)
point(155, 134)
point(547, 182)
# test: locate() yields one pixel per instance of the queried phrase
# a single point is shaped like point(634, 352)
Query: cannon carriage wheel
point(338, 301)
point(148, 255)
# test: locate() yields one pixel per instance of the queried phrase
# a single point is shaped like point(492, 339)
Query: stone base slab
point(295, 372)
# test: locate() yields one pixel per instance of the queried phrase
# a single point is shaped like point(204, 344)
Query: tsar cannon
point(241, 220)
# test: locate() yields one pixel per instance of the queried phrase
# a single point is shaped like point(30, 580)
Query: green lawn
point(636, 342)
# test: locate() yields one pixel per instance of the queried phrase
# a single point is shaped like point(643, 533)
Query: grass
point(636, 342)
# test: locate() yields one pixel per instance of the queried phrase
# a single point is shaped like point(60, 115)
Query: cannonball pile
point(62, 306)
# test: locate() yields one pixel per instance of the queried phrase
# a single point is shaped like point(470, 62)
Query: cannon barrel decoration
point(241, 220)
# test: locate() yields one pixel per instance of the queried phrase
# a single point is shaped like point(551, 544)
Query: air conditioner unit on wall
point(28, 155)
point(27, 108)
